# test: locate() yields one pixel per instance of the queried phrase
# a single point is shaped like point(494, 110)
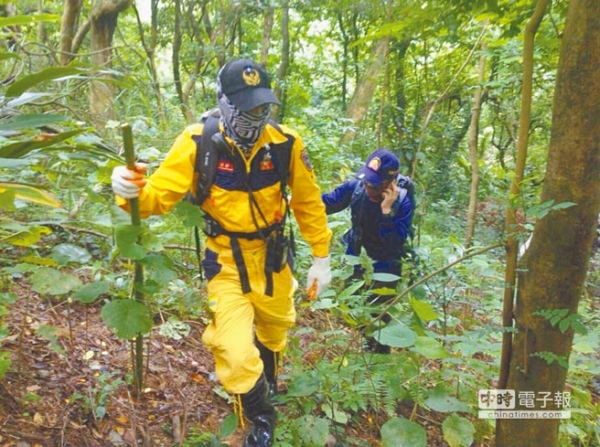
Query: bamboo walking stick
point(138, 277)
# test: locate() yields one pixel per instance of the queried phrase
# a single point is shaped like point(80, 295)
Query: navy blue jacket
point(381, 236)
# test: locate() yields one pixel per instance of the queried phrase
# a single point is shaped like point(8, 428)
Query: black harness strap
point(212, 228)
point(198, 251)
point(240, 264)
point(269, 268)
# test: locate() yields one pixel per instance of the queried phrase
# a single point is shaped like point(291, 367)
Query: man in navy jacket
point(382, 211)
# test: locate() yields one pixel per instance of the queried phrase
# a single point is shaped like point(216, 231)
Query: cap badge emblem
point(374, 164)
point(251, 77)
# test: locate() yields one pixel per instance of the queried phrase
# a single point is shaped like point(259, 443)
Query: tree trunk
point(345, 56)
point(103, 24)
point(177, 41)
point(472, 142)
point(555, 265)
point(510, 224)
point(266, 40)
point(365, 89)
point(68, 26)
point(150, 49)
point(399, 49)
point(285, 61)
point(41, 31)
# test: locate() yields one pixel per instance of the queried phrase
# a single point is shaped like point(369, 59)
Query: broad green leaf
point(385, 277)
point(159, 267)
point(7, 200)
point(5, 56)
point(396, 335)
point(400, 432)
point(458, 431)
point(25, 98)
point(419, 292)
point(424, 310)
point(310, 431)
point(4, 363)
point(584, 348)
point(440, 400)
point(563, 205)
point(83, 151)
point(324, 303)
point(20, 269)
point(14, 163)
point(149, 287)
point(48, 281)
point(8, 297)
point(24, 236)
point(31, 121)
point(127, 237)
point(37, 260)
point(127, 318)
point(19, 149)
point(354, 287)
point(303, 385)
point(89, 292)
point(430, 348)
point(335, 414)
point(229, 425)
point(70, 253)
point(47, 74)
point(151, 242)
point(190, 214)
point(30, 193)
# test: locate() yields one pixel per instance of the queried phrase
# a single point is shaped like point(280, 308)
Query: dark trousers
point(376, 299)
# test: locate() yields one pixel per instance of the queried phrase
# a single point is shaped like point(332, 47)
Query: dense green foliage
point(59, 221)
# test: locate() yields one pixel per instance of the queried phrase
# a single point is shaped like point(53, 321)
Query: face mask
point(244, 128)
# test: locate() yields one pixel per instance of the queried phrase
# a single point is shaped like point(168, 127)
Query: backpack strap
point(283, 156)
point(356, 204)
point(205, 165)
point(207, 158)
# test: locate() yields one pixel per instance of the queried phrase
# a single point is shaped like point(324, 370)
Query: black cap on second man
point(246, 84)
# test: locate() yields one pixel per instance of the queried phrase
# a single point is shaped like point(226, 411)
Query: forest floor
point(78, 398)
point(67, 388)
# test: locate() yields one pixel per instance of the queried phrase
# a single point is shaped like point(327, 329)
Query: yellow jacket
point(228, 204)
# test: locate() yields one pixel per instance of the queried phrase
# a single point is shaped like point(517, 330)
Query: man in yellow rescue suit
point(252, 306)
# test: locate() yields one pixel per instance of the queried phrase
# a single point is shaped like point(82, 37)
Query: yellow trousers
point(238, 318)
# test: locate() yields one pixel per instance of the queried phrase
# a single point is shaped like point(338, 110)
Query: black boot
point(377, 348)
point(270, 361)
point(261, 413)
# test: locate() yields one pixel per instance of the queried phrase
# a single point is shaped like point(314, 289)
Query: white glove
point(126, 183)
point(318, 277)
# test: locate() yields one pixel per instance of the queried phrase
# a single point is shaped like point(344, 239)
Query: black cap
point(246, 84)
point(381, 165)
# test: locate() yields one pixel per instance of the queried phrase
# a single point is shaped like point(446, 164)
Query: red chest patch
point(266, 165)
point(225, 166)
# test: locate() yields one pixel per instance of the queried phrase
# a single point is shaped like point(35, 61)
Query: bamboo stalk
point(138, 276)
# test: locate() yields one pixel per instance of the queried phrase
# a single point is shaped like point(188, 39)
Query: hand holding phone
point(390, 194)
